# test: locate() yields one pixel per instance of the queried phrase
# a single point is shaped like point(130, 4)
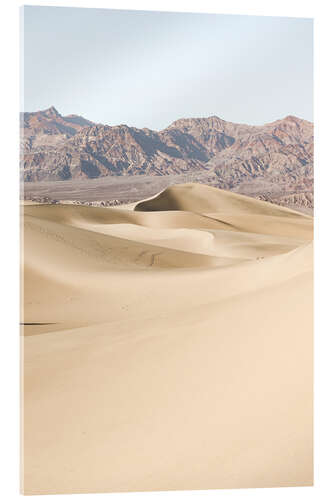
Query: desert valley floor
point(167, 346)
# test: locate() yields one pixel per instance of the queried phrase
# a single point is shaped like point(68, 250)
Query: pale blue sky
point(147, 69)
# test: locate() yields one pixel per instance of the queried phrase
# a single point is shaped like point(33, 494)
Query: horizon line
point(54, 109)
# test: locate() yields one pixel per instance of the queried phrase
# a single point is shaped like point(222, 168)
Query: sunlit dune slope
point(206, 199)
point(167, 347)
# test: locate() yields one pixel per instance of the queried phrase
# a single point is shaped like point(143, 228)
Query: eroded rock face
point(275, 159)
point(48, 128)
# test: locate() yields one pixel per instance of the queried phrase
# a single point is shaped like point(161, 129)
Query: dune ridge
point(168, 346)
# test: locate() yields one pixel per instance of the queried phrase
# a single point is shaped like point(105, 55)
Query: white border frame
point(9, 32)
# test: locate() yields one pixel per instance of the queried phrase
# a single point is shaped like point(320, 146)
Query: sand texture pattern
point(167, 347)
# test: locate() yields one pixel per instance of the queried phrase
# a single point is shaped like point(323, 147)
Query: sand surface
point(167, 347)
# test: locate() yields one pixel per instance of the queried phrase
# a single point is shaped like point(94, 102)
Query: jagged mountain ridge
point(48, 128)
point(53, 152)
point(275, 159)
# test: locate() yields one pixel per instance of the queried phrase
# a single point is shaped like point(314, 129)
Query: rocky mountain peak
point(190, 123)
point(51, 112)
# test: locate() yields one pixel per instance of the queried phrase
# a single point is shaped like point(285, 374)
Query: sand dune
point(167, 347)
point(205, 199)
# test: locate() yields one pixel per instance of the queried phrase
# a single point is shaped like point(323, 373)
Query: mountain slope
point(273, 161)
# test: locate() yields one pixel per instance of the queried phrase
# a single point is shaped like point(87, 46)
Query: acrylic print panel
point(167, 201)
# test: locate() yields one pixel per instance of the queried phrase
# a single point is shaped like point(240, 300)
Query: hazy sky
point(147, 69)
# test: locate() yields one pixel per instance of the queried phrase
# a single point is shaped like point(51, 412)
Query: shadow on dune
point(37, 324)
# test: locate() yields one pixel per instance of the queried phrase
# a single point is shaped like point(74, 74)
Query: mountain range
point(273, 162)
